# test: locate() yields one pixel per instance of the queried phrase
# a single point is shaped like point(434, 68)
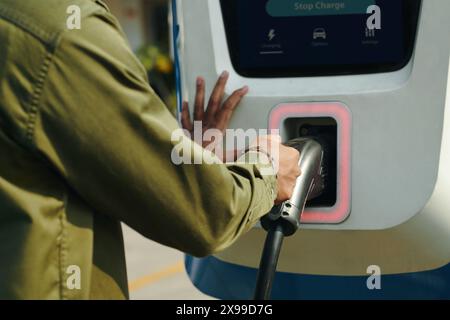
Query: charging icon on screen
point(271, 35)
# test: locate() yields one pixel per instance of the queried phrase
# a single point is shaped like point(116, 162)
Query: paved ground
point(155, 271)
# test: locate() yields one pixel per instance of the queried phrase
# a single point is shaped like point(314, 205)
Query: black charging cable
point(268, 264)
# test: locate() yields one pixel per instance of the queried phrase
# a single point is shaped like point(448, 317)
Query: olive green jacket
point(86, 144)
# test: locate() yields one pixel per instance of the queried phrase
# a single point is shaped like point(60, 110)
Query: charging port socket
point(324, 130)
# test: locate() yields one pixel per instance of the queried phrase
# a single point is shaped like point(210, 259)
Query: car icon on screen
point(319, 33)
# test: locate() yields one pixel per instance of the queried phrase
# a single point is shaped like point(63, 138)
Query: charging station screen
point(275, 38)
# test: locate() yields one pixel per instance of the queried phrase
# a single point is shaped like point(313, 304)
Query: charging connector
point(284, 220)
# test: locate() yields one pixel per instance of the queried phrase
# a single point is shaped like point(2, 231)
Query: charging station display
point(273, 38)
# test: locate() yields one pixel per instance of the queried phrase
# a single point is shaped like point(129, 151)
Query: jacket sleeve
point(107, 133)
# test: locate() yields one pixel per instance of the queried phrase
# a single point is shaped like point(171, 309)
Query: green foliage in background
point(160, 70)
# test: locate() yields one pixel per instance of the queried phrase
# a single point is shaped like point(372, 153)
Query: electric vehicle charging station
point(381, 229)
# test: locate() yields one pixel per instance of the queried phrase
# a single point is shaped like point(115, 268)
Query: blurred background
point(145, 23)
point(154, 271)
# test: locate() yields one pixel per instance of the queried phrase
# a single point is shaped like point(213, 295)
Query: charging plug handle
point(309, 185)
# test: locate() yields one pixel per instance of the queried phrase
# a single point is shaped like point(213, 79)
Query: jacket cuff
point(265, 170)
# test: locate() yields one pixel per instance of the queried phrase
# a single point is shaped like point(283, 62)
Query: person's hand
point(286, 164)
point(288, 172)
point(218, 112)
